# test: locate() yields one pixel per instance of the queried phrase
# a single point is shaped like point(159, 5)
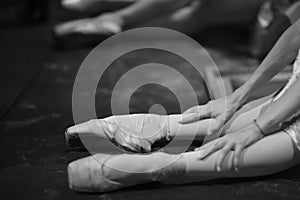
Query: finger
point(189, 118)
point(237, 155)
point(210, 148)
point(223, 153)
point(195, 109)
point(217, 125)
point(193, 117)
point(192, 110)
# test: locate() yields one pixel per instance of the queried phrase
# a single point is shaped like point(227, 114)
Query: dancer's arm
point(280, 110)
point(283, 53)
point(280, 56)
point(268, 122)
point(145, 10)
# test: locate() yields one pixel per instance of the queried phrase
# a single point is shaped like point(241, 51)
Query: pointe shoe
point(129, 139)
point(94, 6)
point(271, 22)
point(93, 174)
point(123, 137)
point(88, 31)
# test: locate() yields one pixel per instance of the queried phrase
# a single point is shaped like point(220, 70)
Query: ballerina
point(260, 137)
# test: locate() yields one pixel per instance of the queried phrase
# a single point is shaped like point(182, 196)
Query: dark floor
point(35, 107)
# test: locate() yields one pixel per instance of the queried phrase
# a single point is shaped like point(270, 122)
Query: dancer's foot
point(104, 173)
point(133, 137)
point(271, 22)
point(87, 31)
point(94, 6)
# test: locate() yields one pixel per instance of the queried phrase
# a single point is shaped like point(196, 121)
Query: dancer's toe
point(86, 175)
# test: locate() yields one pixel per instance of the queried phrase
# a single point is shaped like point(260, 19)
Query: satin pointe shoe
point(129, 139)
point(85, 32)
point(101, 172)
point(95, 6)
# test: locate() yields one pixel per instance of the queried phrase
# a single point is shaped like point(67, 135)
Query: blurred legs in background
point(188, 16)
point(273, 18)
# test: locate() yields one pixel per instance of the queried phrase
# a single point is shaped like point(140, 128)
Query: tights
point(269, 155)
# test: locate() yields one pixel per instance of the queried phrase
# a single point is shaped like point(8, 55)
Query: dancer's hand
point(236, 141)
point(220, 109)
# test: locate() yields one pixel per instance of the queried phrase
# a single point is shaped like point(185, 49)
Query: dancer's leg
point(110, 172)
point(269, 155)
point(175, 15)
point(150, 127)
point(191, 19)
point(240, 119)
point(95, 6)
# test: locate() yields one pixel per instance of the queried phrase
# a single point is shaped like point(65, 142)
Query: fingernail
point(180, 121)
point(218, 168)
point(200, 153)
point(183, 120)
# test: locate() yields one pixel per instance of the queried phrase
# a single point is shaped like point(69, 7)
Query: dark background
point(36, 83)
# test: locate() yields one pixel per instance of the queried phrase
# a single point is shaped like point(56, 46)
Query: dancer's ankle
point(174, 167)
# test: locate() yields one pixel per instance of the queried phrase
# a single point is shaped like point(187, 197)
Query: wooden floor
point(36, 88)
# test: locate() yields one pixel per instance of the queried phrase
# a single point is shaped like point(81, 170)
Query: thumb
point(217, 125)
point(192, 110)
point(189, 118)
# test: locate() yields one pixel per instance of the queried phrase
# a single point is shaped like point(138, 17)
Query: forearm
point(280, 110)
point(148, 9)
point(280, 56)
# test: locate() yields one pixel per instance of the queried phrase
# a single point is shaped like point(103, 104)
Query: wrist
point(268, 126)
point(239, 98)
point(259, 128)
